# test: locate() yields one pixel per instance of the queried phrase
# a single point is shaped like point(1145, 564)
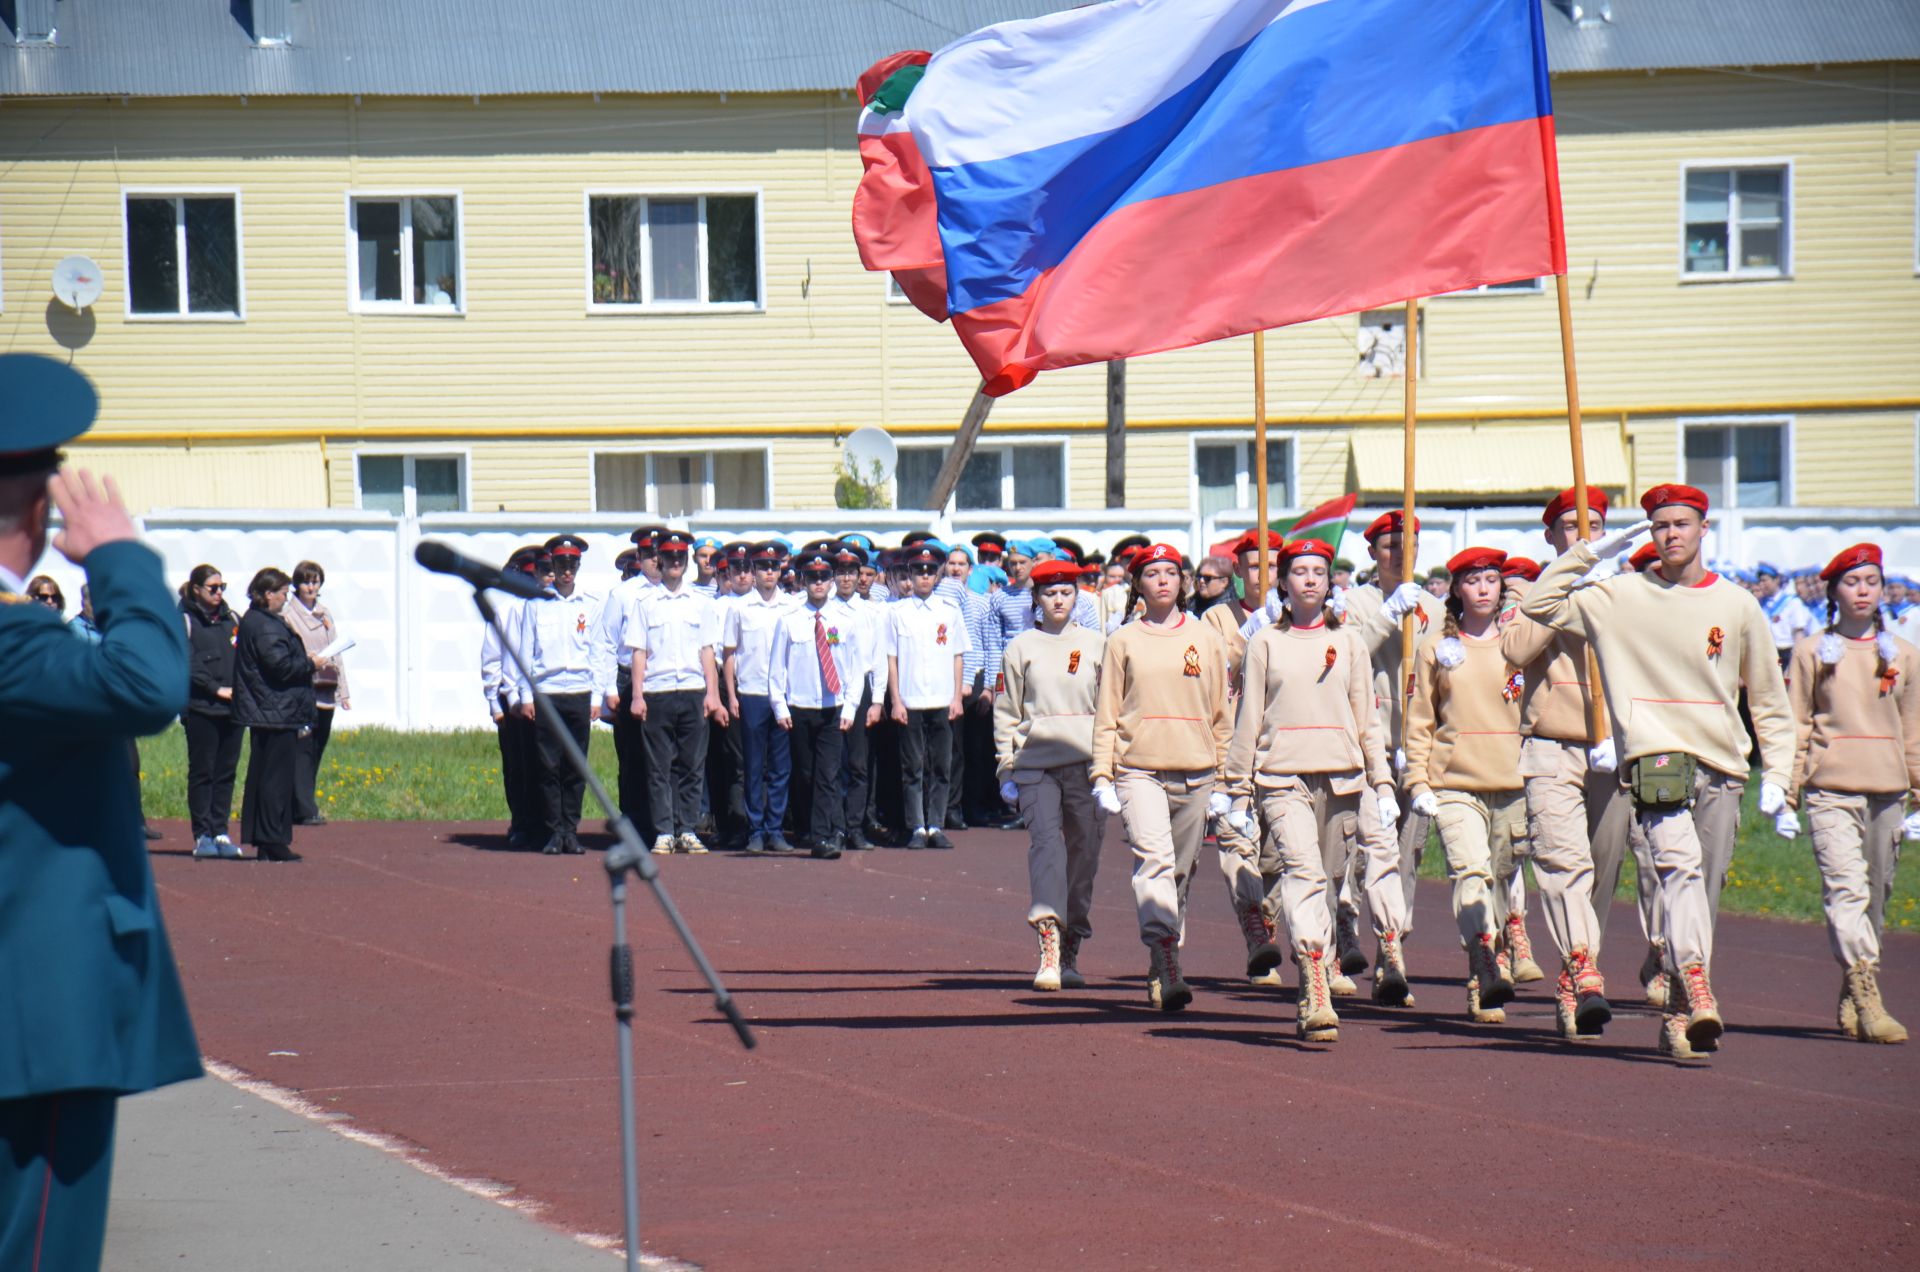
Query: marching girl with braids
point(1308, 764)
point(1463, 768)
point(1160, 733)
point(1856, 768)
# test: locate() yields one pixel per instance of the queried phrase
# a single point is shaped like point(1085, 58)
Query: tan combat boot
point(1566, 1004)
point(1070, 977)
point(1592, 1011)
point(1165, 988)
point(1483, 968)
point(1875, 1025)
point(1691, 993)
point(1520, 951)
point(1848, 1014)
point(1316, 1021)
point(1263, 954)
point(1390, 987)
point(1352, 960)
point(1048, 977)
point(1673, 1038)
point(1653, 974)
point(1477, 1010)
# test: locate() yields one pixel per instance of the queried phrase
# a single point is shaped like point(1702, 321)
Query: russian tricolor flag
point(1141, 175)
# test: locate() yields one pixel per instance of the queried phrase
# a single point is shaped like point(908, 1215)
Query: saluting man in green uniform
point(93, 1008)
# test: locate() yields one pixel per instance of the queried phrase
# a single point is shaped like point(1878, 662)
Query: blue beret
point(1766, 569)
point(707, 541)
point(44, 404)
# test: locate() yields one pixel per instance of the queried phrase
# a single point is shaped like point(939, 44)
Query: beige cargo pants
point(1164, 816)
point(1856, 842)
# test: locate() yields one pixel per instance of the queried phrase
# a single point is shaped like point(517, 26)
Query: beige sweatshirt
point(1367, 617)
point(1855, 733)
point(1672, 660)
point(1556, 701)
point(1464, 731)
point(1226, 619)
point(1163, 700)
point(1306, 706)
point(1043, 717)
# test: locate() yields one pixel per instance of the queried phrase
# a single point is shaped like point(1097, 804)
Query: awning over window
point(1487, 459)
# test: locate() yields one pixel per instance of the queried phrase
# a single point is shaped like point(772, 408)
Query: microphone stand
point(627, 854)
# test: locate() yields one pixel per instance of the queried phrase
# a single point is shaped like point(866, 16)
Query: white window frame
point(1247, 482)
point(177, 193)
point(1534, 287)
point(405, 304)
point(1005, 444)
point(702, 193)
point(708, 449)
point(894, 295)
point(1735, 274)
point(410, 506)
point(1785, 423)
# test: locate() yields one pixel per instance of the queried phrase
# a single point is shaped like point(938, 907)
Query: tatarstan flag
point(895, 222)
point(1327, 523)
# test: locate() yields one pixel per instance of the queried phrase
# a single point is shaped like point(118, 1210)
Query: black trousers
point(970, 783)
point(213, 757)
point(856, 773)
point(306, 765)
point(888, 803)
point(726, 779)
point(266, 807)
point(816, 745)
point(676, 758)
point(519, 777)
point(561, 789)
point(926, 740)
point(630, 747)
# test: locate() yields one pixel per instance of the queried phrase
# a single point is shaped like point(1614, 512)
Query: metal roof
point(166, 48)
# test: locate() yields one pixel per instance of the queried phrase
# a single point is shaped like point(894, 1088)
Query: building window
point(679, 483)
point(1738, 465)
point(1224, 475)
point(410, 485)
point(674, 251)
point(1382, 344)
point(406, 254)
point(996, 478)
point(183, 256)
point(1736, 222)
point(1518, 287)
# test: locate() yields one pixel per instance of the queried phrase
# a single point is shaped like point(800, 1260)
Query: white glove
point(1241, 821)
point(1405, 599)
point(1219, 804)
point(1772, 799)
point(1910, 828)
point(1105, 796)
point(1603, 570)
point(1425, 804)
point(1613, 543)
point(1603, 758)
point(1787, 824)
point(1010, 793)
point(1389, 807)
point(1399, 761)
point(1256, 622)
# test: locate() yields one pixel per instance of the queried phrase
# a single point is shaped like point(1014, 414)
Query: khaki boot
point(1592, 1011)
point(1263, 955)
point(1691, 991)
point(1070, 977)
point(1341, 985)
point(1483, 968)
point(1477, 1010)
point(1849, 1015)
point(1863, 986)
point(1390, 987)
point(1653, 975)
point(1346, 941)
point(1316, 1021)
point(1520, 951)
point(1165, 988)
point(1673, 1038)
point(1048, 977)
point(1566, 1004)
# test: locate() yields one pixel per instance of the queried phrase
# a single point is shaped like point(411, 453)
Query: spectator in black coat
point(273, 699)
point(213, 737)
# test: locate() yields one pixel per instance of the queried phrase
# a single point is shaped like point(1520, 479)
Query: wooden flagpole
point(1409, 537)
point(1259, 596)
point(1584, 517)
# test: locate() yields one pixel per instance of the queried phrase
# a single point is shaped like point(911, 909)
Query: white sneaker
point(204, 848)
point(690, 843)
point(226, 847)
point(663, 845)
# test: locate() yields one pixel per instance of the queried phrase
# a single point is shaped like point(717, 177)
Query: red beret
point(1562, 503)
point(1388, 523)
point(1250, 542)
point(1476, 559)
point(1147, 556)
point(1307, 547)
point(1666, 495)
point(1851, 559)
point(1644, 555)
point(1522, 567)
point(1046, 572)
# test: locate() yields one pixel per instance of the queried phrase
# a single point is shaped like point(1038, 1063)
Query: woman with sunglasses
point(213, 737)
point(43, 590)
point(1160, 736)
point(273, 697)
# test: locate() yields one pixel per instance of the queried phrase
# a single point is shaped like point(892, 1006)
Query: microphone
point(441, 559)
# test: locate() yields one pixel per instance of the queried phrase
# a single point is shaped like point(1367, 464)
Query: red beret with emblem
point(1147, 556)
point(1388, 523)
point(1476, 559)
point(1645, 555)
point(1561, 504)
point(1307, 547)
point(1521, 567)
point(1665, 496)
point(1250, 542)
point(1851, 559)
point(1045, 572)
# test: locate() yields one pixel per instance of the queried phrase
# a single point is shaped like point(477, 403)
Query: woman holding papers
point(311, 621)
point(1160, 735)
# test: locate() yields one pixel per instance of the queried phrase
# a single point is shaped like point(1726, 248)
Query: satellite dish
point(870, 450)
point(76, 281)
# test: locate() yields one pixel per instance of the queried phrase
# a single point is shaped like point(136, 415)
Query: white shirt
point(13, 582)
point(873, 634)
point(556, 639)
point(749, 624)
point(610, 650)
point(925, 636)
point(1789, 618)
point(496, 668)
point(674, 628)
point(796, 680)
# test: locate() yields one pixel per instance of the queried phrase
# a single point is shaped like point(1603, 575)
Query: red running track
point(913, 1101)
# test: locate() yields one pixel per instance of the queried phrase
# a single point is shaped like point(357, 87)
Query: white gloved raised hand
point(1010, 792)
point(1603, 758)
point(1219, 804)
point(1105, 796)
point(1241, 821)
point(1405, 599)
point(1787, 824)
point(1604, 549)
point(1400, 760)
point(1425, 804)
point(1910, 828)
point(1772, 799)
point(1603, 570)
point(1389, 806)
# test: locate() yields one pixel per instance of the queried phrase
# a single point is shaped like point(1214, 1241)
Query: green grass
point(378, 774)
